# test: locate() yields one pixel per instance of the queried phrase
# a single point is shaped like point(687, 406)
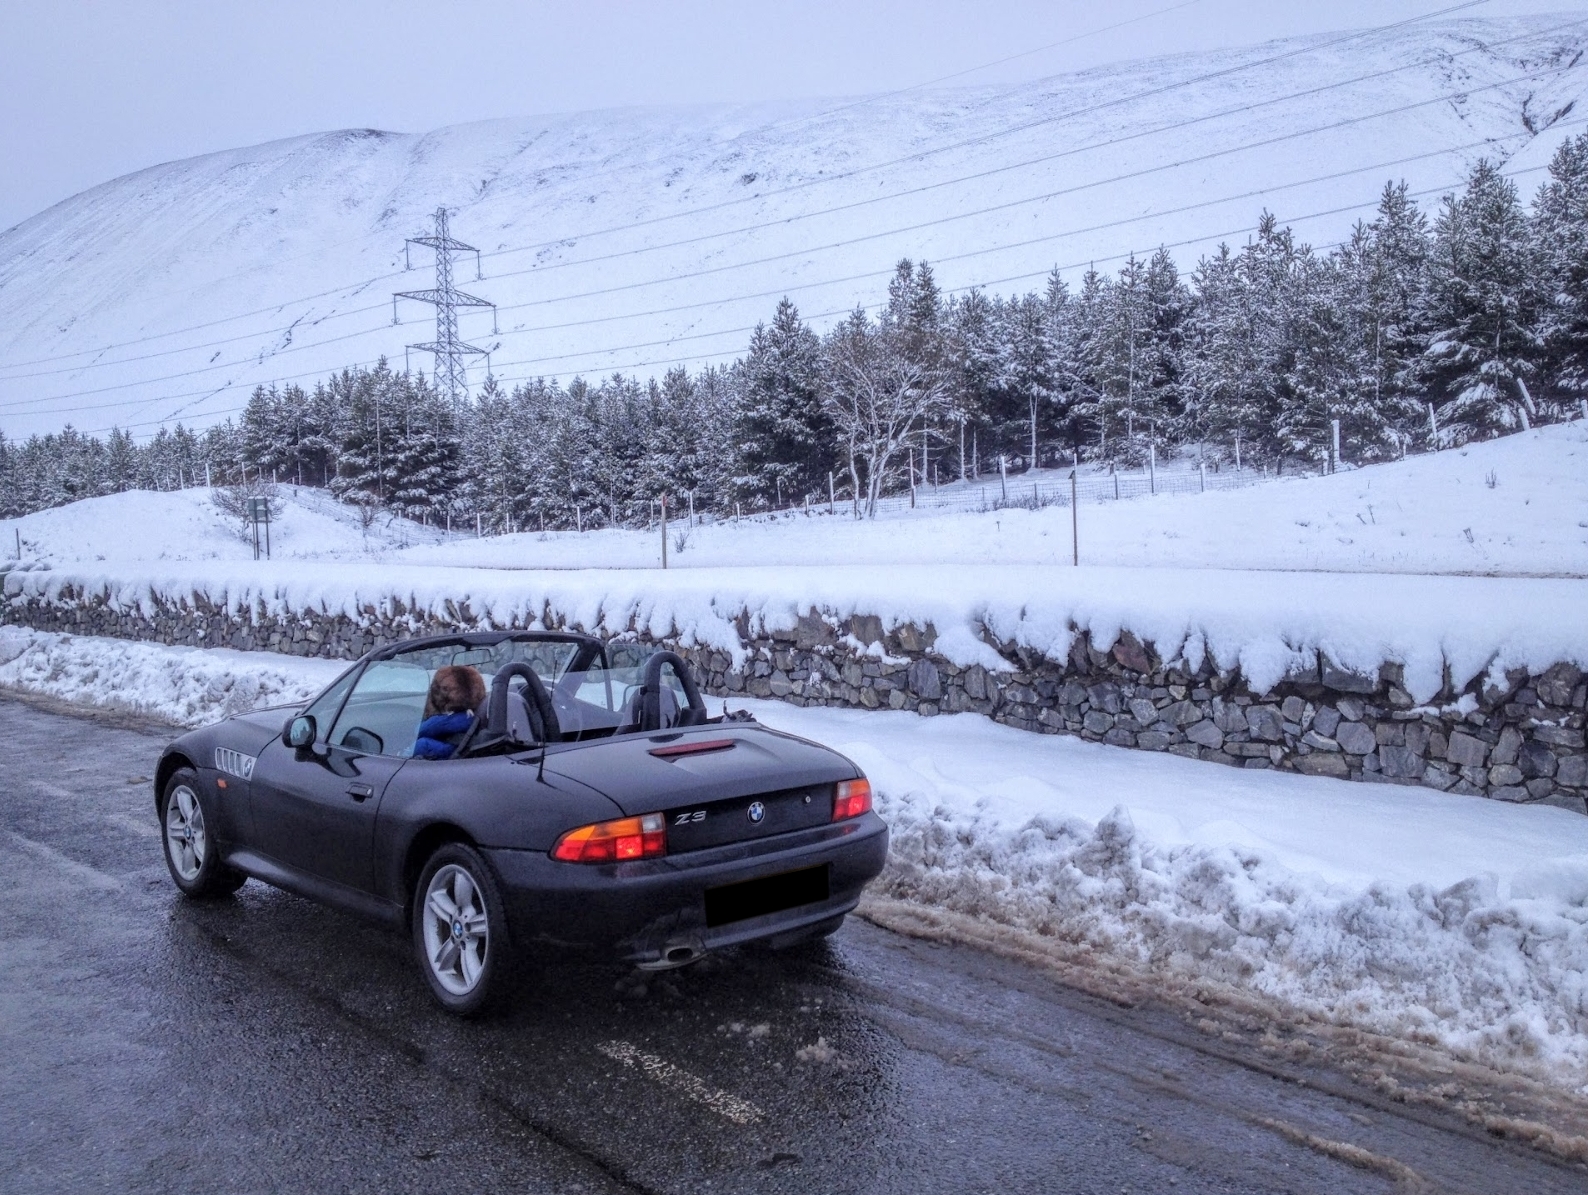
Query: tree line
point(1415, 332)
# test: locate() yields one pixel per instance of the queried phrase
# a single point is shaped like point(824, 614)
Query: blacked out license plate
point(769, 894)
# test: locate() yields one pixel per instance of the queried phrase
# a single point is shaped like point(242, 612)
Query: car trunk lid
point(715, 784)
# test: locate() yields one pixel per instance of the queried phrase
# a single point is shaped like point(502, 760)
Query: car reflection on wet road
point(262, 1043)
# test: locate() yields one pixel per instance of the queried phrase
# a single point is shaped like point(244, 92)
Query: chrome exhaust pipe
point(679, 954)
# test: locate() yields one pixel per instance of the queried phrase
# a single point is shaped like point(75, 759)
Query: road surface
point(261, 1043)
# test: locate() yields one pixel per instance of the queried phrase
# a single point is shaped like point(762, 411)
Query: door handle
point(360, 792)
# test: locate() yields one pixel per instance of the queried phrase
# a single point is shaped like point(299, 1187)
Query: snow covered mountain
point(636, 239)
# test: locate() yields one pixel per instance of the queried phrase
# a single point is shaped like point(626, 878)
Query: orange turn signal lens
point(610, 842)
point(852, 799)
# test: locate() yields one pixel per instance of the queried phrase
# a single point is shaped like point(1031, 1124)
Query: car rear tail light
point(612, 842)
point(852, 799)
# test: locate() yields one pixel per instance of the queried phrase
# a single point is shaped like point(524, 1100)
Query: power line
point(865, 101)
point(276, 263)
point(1201, 238)
point(919, 155)
point(1003, 132)
point(868, 275)
point(899, 231)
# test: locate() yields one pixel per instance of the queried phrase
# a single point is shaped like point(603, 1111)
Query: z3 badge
point(684, 819)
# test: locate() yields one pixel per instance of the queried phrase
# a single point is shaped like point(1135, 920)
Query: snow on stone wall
point(1468, 685)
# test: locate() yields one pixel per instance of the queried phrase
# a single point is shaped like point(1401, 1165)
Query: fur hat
point(455, 689)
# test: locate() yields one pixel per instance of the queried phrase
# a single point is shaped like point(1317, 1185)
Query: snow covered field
point(170, 293)
point(1515, 506)
point(187, 525)
point(1459, 923)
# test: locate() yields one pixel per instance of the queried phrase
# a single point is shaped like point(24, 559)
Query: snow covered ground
point(187, 525)
point(641, 238)
point(1455, 922)
point(1515, 506)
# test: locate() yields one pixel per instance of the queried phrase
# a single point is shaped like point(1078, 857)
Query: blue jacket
point(439, 736)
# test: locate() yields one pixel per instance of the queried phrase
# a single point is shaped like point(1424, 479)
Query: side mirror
point(299, 733)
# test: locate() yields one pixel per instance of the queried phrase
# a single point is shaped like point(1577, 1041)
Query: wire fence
point(1055, 489)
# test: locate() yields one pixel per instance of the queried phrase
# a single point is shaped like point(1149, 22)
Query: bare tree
point(875, 394)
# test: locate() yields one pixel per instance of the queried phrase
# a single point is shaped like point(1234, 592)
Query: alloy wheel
point(185, 839)
point(456, 929)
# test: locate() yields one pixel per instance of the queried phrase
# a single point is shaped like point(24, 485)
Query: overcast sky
point(92, 89)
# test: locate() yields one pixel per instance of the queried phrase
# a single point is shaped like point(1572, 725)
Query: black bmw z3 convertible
point(588, 801)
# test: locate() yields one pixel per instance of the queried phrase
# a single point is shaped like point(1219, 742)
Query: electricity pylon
point(450, 377)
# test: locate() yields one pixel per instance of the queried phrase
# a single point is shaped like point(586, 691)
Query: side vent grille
point(234, 763)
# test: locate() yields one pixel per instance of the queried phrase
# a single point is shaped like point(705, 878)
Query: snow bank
point(187, 686)
point(1265, 623)
point(1459, 923)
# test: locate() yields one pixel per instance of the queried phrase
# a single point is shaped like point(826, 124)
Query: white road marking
point(133, 825)
point(730, 1107)
point(91, 876)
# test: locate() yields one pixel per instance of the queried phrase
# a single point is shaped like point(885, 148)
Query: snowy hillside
point(187, 525)
point(1512, 506)
point(1516, 506)
point(640, 238)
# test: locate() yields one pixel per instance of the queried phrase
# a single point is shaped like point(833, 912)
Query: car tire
point(460, 931)
point(191, 854)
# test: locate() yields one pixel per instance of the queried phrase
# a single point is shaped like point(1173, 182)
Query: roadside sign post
point(1075, 522)
point(259, 512)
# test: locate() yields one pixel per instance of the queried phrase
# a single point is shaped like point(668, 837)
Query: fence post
point(1075, 523)
point(1202, 475)
point(1581, 402)
point(691, 508)
point(664, 530)
point(1334, 445)
point(1152, 467)
point(1003, 475)
point(1237, 452)
point(832, 493)
point(1116, 484)
point(1433, 424)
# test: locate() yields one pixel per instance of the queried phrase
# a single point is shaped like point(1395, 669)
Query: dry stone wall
point(1517, 738)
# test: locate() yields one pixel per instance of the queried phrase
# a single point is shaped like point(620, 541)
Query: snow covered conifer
point(1560, 234)
point(786, 438)
point(1481, 343)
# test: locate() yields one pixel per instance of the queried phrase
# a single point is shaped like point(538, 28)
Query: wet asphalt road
point(261, 1043)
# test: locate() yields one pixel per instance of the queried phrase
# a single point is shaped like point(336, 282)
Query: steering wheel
point(649, 706)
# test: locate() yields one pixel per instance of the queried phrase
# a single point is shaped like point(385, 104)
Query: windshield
point(549, 658)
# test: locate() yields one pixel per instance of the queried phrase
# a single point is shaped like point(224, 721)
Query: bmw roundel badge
point(756, 811)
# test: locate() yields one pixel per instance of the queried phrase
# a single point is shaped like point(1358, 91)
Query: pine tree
point(786, 438)
point(365, 464)
point(121, 462)
point(971, 373)
point(1481, 342)
point(1028, 368)
point(1560, 238)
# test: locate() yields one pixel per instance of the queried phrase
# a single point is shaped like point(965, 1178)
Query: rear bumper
point(646, 908)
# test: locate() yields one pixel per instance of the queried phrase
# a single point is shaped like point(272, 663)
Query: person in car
point(456, 692)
